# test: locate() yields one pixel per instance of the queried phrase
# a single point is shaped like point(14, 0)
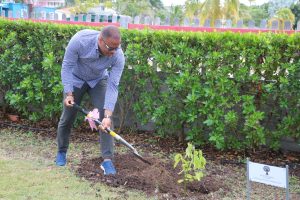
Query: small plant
point(192, 165)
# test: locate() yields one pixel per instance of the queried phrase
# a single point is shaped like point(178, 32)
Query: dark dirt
point(160, 178)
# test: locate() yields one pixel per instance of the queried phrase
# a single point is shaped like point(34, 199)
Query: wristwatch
point(69, 94)
point(107, 116)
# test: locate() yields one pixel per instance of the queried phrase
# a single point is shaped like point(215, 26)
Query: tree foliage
point(213, 9)
point(275, 5)
point(176, 12)
point(138, 7)
point(231, 9)
point(193, 8)
point(123, 7)
point(295, 8)
point(254, 12)
point(282, 15)
point(81, 6)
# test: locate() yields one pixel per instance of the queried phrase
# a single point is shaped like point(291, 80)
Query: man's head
point(109, 40)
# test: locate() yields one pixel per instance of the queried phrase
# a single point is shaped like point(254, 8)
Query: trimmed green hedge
point(231, 90)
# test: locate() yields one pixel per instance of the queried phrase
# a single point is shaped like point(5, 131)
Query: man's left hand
point(106, 123)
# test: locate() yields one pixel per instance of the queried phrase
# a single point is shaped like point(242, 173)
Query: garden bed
point(159, 179)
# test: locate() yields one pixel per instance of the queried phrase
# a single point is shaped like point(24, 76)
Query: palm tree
point(193, 8)
point(157, 4)
point(231, 10)
point(213, 9)
point(283, 14)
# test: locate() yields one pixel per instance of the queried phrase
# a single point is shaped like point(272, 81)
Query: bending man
point(93, 64)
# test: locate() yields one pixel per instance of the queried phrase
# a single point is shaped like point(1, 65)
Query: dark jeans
point(97, 95)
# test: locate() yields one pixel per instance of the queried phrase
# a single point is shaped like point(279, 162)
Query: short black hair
point(111, 32)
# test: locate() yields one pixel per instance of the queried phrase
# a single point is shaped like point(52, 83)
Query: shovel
point(113, 134)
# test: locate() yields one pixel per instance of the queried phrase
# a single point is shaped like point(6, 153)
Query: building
point(30, 8)
point(17, 10)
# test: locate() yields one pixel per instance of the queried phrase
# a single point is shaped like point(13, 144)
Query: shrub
point(231, 90)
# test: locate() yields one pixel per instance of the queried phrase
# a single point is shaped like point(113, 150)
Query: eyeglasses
point(110, 48)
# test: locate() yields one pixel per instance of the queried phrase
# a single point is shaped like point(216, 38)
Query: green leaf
point(178, 158)
point(180, 181)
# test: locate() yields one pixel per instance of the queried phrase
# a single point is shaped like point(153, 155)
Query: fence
point(156, 23)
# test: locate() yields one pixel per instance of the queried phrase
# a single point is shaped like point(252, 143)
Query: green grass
point(27, 171)
point(21, 179)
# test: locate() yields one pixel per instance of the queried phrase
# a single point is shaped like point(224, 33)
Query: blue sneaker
point(61, 158)
point(108, 167)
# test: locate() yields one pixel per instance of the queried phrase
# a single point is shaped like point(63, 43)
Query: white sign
point(266, 174)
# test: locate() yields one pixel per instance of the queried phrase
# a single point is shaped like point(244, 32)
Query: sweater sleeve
point(115, 74)
point(69, 62)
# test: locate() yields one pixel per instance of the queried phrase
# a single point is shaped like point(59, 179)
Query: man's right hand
point(69, 100)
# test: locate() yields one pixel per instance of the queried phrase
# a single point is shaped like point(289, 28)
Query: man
point(93, 63)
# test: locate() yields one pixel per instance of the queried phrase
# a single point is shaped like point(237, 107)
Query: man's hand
point(106, 123)
point(69, 100)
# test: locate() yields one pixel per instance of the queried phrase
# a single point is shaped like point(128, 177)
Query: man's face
point(108, 45)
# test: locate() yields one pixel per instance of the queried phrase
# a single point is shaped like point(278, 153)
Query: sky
point(181, 2)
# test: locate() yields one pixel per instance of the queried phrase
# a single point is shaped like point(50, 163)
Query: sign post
point(248, 181)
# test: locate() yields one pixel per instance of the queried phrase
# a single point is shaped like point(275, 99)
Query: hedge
point(227, 89)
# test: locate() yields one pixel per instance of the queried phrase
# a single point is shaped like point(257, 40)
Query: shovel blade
point(141, 158)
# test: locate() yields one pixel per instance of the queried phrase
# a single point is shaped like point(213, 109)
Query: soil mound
point(159, 178)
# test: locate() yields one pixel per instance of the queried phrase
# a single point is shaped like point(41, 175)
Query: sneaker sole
point(103, 169)
point(60, 164)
